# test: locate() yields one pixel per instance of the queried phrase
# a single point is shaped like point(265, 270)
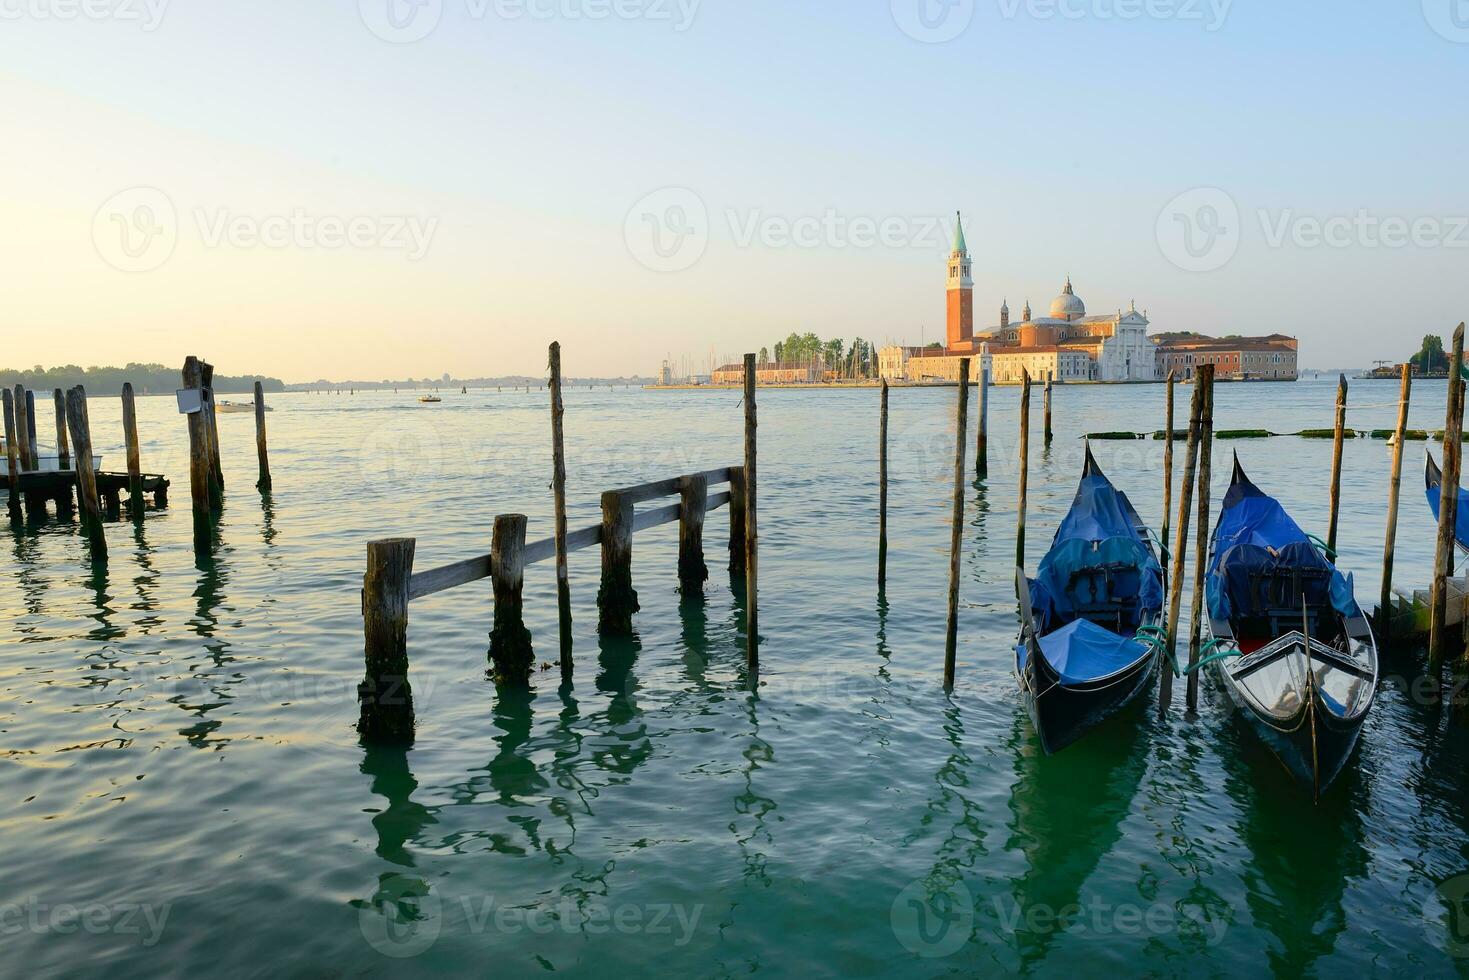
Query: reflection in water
point(749, 826)
point(26, 549)
point(209, 596)
point(402, 820)
point(959, 852)
point(101, 607)
point(145, 582)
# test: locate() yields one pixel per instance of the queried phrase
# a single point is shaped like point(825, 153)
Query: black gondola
point(1288, 641)
point(1433, 480)
point(1087, 645)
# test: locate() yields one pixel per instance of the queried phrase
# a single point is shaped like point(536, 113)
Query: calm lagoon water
point(182, 790)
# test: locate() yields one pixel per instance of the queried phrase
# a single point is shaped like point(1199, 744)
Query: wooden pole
point(384, 697)
point(1384, 608)
point(130, 437)
point(261, 448)
point(63, 451)
point(981, 446)
point(199, 463)
point(1201, 538)
point(22, 429)
point(1180, 541)
point(752, 549)
point(737, 521)
point(1336, 460)
point(558, 494)
point(216, 470)
point(1448, 502)
point(30, 433)
point(1024, 466)
point(616, 599)
point(1167, 480)
point(694, 501)
point(510, 655)
point(81, 438)
point(1049, 377)
point(956, 532)
point(12, 454)
point(882, 488)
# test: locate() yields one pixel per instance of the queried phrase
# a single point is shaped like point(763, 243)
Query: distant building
point(772, 373)
point(1269, 358)
point(892, 361)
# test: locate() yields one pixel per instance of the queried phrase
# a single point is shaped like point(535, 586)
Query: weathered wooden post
point(12, 454)
point(1201, 538)
point(22, 429)
point(510, 648)
point(1180, 541)
point(1050, 376)
point(1024, 466)
point(216, 469)
point(694, 501)
point(130, 437)
point(752, 549)
point(25, 424)
point(882, 488)
point(1448, 501)
point(1336, 460)
point(558, 494)
point(30, 432)
point(737, 521)
point(384, 697)
point(956, 531)
point(1384, 608)
point(63, 451)
point(261, 449)
point(616, 599)
point(1167, 481)
point(199, 462)
point(982, 441)
point(81, 438)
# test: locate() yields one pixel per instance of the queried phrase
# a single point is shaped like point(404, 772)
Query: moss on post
point(616, 599)
point(511, 656)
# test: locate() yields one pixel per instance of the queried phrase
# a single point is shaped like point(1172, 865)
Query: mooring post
point(1024, 466)
point(199, 463)
point(752, 550)
point(1201, 537)
point(882, 487)
point(1180, 541)
point(1448, 501)
point(1336, 460)
point(25, 424)
point(956, 531)
point(63, 450)
point(261, 449)
point(81, 438)
point(558, 493)
point(981, 444)
point(1384, 608)
point(1050, 375)
point(737, 521)
point(216, 469)
point(693, 502)
point(616, 599)
point(1167, 481)
point(511, 656)
point(30, 433)
point(130, 438)
point(12, 454)
point(384, 697)
point(22, 429)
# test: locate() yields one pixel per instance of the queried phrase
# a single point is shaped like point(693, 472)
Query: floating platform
point(38, 486)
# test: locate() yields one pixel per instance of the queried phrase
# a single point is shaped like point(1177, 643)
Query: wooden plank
point(644, 492)
point(448, 576)
point(653, 518)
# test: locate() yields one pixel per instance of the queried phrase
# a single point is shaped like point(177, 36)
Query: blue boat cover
point(1461, 516)
point(1257, 541)
point(1082, 651)
point(1098, 563)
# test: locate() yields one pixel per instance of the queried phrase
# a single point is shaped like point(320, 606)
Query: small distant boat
point(1433, 477)
point(228, 407)
point(1088, 642)
point(430, 399)
point(1287, 639)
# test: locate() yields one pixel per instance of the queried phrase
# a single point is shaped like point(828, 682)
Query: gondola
point(1433, 478)
point(1287, 640)
point(1087, 646)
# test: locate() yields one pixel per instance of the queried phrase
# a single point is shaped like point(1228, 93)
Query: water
point(180, 766)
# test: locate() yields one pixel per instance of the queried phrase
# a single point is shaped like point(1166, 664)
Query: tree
point(779, 352)
point(1430, 357)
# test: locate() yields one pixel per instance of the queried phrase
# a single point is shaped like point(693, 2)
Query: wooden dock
point(59, 487)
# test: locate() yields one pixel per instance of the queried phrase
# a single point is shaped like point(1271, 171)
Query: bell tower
point(961, 290)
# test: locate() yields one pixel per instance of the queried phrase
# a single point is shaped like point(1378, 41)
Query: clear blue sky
point(518, 148)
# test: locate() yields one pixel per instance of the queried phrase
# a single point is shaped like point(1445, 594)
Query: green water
point(182, 791)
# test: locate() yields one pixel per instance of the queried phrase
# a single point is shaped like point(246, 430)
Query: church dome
point(1067, 306)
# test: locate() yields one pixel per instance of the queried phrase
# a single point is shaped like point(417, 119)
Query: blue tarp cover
point(1250, 525)
point(1461, 516)
point(1083, 651)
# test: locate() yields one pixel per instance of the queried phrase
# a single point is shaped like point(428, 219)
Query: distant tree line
point(1430, 358)
point(147, 379)
point(855, 360)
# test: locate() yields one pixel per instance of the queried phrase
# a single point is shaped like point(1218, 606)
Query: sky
point(389, 188)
